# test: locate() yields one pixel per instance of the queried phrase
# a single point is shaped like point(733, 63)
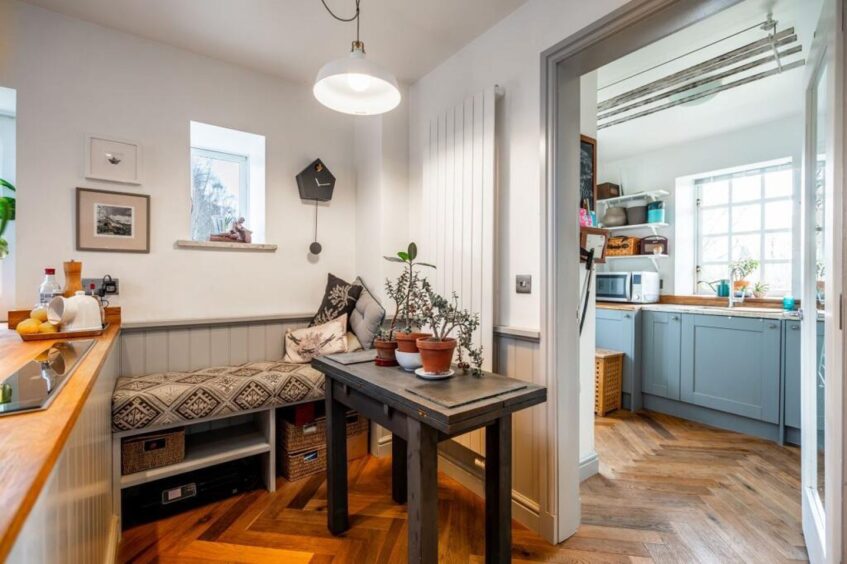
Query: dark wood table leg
point(498, 491)
point(399, 482)
point(422, 459)
point(336, 455)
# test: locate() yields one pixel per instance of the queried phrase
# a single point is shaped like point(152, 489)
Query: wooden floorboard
point(668, 491)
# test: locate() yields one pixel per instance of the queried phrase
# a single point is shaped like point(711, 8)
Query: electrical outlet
point(98, 284)
point(523, 284)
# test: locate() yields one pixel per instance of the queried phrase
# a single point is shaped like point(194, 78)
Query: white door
point(822, 376)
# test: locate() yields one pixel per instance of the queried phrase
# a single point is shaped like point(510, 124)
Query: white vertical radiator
point(459, 213)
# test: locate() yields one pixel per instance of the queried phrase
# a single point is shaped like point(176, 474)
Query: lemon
point(39, 314)
point(47, 327)
point(28, 327)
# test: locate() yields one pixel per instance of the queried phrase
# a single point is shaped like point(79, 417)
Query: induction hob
point(39, 381)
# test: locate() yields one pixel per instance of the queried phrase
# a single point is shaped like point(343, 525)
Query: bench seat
point(173, 397)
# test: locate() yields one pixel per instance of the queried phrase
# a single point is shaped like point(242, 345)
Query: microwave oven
point(634, 287)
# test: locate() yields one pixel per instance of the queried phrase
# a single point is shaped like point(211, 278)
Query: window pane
point(215, 185)
point(714, 221)
point(777, 276)
point(714, 249)
point(779, 184)
point(712, 273)
point(747, 218)
point(778, 246)
point(746, 246)
point(746, 188)
point(778, 215)
point(714, 193)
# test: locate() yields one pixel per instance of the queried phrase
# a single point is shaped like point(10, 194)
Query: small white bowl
point(408, 361)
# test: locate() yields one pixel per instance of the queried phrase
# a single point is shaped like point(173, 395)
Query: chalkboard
point(587, 171)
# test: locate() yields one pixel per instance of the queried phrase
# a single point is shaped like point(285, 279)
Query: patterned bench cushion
point(173, 397)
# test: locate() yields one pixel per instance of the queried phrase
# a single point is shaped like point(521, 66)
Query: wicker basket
point(152, 451)
point(622, 246)
point(608, 373)
point(296, 438)
point(296, 465)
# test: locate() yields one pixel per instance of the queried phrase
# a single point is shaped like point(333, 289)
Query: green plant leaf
point(425, 264)
point(393, 259)
point(413, 251)
point(7, 185)
point(404, 256)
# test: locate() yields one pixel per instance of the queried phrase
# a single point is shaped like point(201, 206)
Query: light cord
point(354, 17)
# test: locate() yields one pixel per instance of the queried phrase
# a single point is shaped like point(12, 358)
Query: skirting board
point(111, 555)
point(589, 466)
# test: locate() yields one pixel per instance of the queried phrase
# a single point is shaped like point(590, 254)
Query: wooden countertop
point(30, 443)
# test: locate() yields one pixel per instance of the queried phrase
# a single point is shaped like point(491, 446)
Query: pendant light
point(353, 84)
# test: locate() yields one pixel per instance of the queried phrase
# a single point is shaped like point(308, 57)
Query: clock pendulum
point(315, 248)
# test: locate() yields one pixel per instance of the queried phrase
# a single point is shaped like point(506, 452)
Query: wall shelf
point(650, 196)
point(225, 246)
point(652, 226)
point(649, 257)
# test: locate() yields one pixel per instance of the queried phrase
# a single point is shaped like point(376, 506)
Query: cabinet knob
point(772, 325)
point(675, 318)
point(626, 315)
point(795, 327)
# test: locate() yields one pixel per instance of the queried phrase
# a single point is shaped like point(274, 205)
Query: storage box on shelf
point(303, 446)
point(622, 245)
point(153, 450)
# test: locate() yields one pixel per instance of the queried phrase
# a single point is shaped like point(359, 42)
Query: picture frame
point(113, 160)
point(588, 172)
point(594, 238)
point(107, 221)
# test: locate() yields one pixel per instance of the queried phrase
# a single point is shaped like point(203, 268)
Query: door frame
point(627, 29)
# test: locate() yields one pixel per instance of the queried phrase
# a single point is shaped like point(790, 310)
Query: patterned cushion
point(302, 345)
point(174, 397)
point(339, 298)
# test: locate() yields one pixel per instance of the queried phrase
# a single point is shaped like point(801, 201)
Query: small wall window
point(227, 181)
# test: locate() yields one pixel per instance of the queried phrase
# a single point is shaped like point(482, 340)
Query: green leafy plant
point(405, 292)
point(760, 289)
point(7, 214)
point(445, 317)
point(741, 269)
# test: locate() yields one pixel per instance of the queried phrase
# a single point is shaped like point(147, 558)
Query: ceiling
point(294, 38)
point(758, 102)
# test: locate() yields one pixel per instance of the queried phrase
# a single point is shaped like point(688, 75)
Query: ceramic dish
point(433, 375)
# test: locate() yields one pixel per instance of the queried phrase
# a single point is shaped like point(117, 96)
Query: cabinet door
point(660, 366)
point(616, 331)
point(732, 364)
point(791, 366)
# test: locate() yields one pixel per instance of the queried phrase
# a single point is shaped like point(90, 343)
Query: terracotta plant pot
point(407, 342)
point(739, 285)
point(437, 356)
point(385, 352)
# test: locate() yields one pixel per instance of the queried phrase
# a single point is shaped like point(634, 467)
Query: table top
point(400, 390)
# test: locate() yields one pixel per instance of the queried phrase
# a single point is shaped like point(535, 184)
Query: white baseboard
point(589, 466)
point(111, 555)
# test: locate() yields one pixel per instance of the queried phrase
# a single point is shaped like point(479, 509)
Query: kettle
point(77, 313)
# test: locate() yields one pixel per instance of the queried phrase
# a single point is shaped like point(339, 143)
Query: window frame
point(243, 174)
point(760, 170)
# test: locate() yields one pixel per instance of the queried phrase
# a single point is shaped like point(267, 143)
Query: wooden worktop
point(30, 443)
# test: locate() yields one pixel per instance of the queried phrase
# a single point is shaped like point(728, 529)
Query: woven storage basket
point(622, 246)
point(296, 465)
point(152, 451)
point(301, 437)
point(608, 373)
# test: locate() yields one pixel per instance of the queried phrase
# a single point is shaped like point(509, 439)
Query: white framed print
point(112, 160)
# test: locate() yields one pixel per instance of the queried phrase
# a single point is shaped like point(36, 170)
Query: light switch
point(523, 284)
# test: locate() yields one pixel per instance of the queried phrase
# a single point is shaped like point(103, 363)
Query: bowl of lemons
point(37, 324)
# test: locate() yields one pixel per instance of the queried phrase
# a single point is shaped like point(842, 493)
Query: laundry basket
point(608, 374)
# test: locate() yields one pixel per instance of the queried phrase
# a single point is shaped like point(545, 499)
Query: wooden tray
point(64, 335)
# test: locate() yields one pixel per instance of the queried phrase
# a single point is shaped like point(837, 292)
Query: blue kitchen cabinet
point(617, 330)
point(792, 368)
point(732, 364)
point(660, 358)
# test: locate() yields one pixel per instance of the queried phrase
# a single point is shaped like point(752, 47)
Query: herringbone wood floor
point(668, 491)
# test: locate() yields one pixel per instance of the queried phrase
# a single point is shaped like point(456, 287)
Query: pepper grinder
point(73, 278)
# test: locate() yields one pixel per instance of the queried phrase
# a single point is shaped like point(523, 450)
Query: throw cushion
point(353, 343)
point(367, 317)
point(302, 345)
point(339, 299)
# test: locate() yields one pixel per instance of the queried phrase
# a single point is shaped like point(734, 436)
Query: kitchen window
point(227, 181)
point(746, 215)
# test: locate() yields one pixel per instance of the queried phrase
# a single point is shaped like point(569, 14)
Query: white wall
point(508, 54)
point(75, 78)
point(660, 168)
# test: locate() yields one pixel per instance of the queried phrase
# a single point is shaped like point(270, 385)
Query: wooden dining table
point(420, 414)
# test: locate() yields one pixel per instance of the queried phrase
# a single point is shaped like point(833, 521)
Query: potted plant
point(740, 270)
point(445, 318)
point(7, 214)
point(760, 289)
point(406, 294)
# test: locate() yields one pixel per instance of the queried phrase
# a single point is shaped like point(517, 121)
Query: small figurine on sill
point(237, 233)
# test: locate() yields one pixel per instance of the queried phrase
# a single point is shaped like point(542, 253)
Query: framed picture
point(112, 221)
point(113, 160)
point(594, 238)
point(587, 172)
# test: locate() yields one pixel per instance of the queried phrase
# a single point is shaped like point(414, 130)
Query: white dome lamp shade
point(353, 84)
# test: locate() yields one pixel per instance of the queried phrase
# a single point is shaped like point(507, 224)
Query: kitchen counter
point(737, 311)
point(31, 443)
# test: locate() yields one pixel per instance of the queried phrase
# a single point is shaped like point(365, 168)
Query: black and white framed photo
point(112, 221)
point(113, 160)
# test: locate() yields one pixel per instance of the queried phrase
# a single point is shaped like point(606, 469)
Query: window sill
point(224, 246)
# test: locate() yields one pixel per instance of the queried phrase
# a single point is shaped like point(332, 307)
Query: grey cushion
point(367, 316)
